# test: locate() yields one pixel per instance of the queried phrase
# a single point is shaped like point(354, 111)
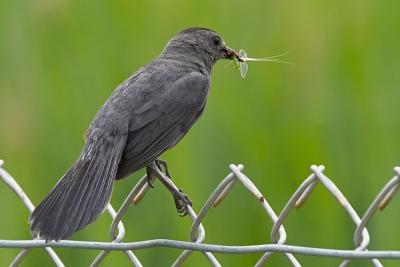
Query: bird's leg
point(160, 164)
point(163, 164)
point(181, 200)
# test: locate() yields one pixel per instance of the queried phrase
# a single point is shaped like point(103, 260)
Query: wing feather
point(160, 123)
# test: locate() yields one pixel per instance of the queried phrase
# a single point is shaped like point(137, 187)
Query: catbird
point(146, 115)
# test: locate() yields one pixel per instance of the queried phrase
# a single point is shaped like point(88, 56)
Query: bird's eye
point(216, 41)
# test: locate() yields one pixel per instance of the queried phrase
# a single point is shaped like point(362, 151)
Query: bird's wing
point(160, 123)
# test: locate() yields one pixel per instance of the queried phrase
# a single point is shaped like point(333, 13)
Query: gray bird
point(146, 115)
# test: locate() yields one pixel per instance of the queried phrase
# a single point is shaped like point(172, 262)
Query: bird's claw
point(150, 174)
point(182, 202)
point(149, 182)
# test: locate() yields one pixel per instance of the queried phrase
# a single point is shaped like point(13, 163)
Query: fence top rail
point(224, 249)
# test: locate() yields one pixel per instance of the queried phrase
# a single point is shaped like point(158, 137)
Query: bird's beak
point(231, 53)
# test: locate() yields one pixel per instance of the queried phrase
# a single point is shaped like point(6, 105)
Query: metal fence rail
point(197, 232)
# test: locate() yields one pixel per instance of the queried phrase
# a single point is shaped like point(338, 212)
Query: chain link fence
point(197, 232)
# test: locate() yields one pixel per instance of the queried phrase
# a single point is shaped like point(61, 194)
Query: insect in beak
point(241, 59)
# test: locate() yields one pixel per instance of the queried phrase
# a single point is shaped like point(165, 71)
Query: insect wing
point(243, 69)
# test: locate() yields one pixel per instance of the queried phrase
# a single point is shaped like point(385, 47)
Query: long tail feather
point(82, 193)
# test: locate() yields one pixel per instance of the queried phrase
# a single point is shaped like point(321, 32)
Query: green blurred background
point(337, 106)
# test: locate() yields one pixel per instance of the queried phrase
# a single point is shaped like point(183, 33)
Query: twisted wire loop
point(14, 186)
point(197, 232)
point(140, 188)
point(249, 185)
point(117, 239)
point(303, 192)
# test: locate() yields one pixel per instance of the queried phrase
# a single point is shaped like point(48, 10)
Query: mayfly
point(241, 59)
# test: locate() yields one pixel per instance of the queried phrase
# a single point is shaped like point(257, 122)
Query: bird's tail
point(82, 193)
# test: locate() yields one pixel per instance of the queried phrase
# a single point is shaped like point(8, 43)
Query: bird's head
point(201, 43)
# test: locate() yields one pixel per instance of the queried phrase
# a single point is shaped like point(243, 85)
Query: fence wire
point(197, 233)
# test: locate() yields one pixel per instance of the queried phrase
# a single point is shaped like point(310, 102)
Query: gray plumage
point(145, 116)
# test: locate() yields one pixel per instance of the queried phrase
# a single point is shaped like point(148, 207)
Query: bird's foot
point(159, 169)
point(182, 202)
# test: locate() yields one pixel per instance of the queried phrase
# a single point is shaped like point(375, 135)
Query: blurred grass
point(338, 106)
